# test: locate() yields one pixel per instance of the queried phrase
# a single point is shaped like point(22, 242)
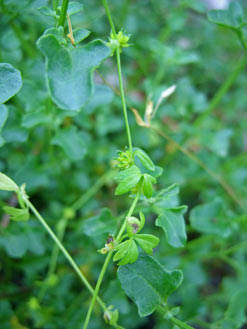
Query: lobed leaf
point(147, 242)
point(148, 283)
point(127, 252)
point(172, 222)
point(17, 214)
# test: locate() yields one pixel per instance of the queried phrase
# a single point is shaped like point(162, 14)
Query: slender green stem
point(123, 99)
point(63, 13)
point(106, 263)
point(108, 13)
point(64, 251)
point(221, 92)
point(63, 224)
point(180, 323)
point(90, 192)
point(54, 4)
point(54, 256)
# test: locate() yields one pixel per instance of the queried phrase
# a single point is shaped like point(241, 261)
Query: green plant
point(57, 138)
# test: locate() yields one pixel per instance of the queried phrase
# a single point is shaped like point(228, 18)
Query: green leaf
point(128, 178)
point(142, 221)
point(232, 17)
point(145, 159)
point(172, 222)
point(148, 283)
point(32, 119)
point(207, 219)
point(71, 141)
point(46, 11)
point(17, 214)
point(80, 34)
point(148, 182)
point(69, 70)
point(147, 242)
point(7, 184)
point(235, 314)
point(10, 82)
point(219, 143)
point(15, 245)
point(3, 118)
point(74, 7)
point(98, 227)
point(127, 252)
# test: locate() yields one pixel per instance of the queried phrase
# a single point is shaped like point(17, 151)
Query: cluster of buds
point(124, 160)
point(109, 245)
point(119, 40)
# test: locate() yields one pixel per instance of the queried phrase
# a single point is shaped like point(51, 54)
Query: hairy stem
point(63, 13)
point(64, 251)
point(108, 13)
point(106, 263)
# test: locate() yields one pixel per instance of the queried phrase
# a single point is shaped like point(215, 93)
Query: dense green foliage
point(152, 235)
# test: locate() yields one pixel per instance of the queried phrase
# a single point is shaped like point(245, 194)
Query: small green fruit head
point(120, 40)
point(124, 160)
point(134, 225)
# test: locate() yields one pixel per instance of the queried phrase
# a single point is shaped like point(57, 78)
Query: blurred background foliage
point(64, 156)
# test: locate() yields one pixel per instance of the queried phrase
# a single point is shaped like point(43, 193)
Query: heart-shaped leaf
point(148, 283)
point(69, 70)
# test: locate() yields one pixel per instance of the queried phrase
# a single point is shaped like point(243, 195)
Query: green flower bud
point(133, 225)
